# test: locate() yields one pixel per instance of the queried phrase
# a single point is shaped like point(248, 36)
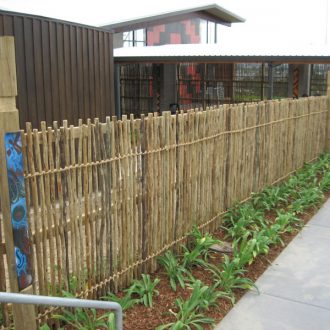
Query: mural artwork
point(14, 157)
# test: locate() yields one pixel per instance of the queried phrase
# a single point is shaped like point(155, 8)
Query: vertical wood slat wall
point(106, 198)
point(64, 70)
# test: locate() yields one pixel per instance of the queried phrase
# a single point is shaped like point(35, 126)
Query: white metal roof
point(210, 11)
point(218, 53)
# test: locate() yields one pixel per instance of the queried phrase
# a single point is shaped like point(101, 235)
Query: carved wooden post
point(24, 315)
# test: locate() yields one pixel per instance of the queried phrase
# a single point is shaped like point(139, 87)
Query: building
point(257, 74)
point(64, 70)
point(168, 61)
point(188, 76)
point(143, 88)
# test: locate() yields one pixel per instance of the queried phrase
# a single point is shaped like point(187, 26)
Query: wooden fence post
point(327, 143)
point(24, 315)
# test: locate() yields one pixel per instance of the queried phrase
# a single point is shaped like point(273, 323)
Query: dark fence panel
point(64, 70)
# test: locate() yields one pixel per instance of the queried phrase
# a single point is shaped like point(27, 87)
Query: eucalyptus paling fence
point(105, 199)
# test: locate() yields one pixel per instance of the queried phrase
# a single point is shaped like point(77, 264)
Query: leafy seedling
point(229, 276)
point(145, 289)
point(188, 315)
point(85, 319)
point(174, 270)
point(126, 302)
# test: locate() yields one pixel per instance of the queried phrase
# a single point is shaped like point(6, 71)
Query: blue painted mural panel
point(14, 157)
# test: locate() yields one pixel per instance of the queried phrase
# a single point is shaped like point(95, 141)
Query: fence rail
point(105, 199)
point(19, 298)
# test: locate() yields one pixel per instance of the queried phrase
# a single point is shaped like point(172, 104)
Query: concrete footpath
point(295, 290)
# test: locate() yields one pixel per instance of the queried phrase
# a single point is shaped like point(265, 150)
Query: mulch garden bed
point(143, 318)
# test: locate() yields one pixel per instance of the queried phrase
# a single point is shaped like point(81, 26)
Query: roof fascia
point(226, 59)
point(163, 19)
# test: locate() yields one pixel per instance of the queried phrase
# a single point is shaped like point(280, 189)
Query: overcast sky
point(267, 22)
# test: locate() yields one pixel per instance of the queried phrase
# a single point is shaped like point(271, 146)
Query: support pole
point(327, 142)
point(270, 82)
point(24, 316)
point(117, 91)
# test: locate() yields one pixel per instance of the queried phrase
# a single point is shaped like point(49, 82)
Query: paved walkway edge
point(295, 289)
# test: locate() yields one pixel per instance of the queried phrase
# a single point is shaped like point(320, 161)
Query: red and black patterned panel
point(185, 32)
point(189, 83)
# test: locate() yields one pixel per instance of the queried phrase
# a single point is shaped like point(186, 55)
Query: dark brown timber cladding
point(64, 70)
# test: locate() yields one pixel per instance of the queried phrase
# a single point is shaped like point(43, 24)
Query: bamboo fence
point(105, 199)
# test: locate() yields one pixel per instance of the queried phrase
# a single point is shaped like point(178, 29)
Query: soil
point(143, 318)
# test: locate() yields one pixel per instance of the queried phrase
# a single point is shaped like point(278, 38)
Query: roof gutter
point(275, 59)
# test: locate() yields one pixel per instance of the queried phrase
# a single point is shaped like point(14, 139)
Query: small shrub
point(270, 198)
point(85, 319)
point(126, 302)
point(325, 182)
point(273, 234)
point(243, 219)
point(287, 222)
point(262, 243)
point(244, 250)
point(229, 276)
point(306, 198)
point(188, 315)
point(192, 257)
point(203, 242)
point(175, 271)
point(144, 289)
point(207, 296)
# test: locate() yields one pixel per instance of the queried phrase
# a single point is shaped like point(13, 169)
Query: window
point(218, 33)
point(136, 38)
point(203, 31)
point(128, 39)
point(208, 32)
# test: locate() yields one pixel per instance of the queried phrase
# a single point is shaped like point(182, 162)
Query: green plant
point(306, 198)
point(243, 219)
point(111, 321)
point(175, 271)
point(144, 289)
point(186, 320)
point(244, 250)
point(324, 163)
point(188, 312)
point(262, 243)
point(198, 253)
point(207, 296)
point(125, 302)
point(325, 182)
point(203, 242)
point(85, 319)
point(270, 198)
point(273, 234)
point(229, 276)
point(287, 222)
point(45, 327)
point(192, 257)
point(73, 283)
